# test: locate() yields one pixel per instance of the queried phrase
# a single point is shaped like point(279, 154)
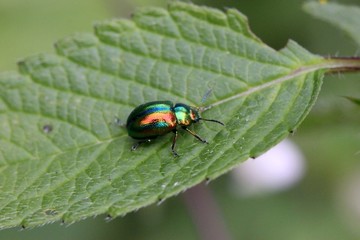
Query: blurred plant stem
point(205, 213)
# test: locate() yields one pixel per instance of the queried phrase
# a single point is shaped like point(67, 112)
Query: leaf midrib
point(276, 81)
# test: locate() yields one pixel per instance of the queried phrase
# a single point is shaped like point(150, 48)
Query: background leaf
point(61, 158)
point(354, 100)
point(346, 18)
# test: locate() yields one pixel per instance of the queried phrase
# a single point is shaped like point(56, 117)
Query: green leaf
point(62, 158)
point(346, 18)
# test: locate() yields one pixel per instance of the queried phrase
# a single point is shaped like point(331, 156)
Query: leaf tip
point(207, 180)
point(353, 100)
point(160, 201)
point(108, 217)
point(292, 131)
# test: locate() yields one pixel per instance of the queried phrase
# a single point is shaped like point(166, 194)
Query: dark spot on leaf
point(207, 180)
point(47, 128)
point(23, 227)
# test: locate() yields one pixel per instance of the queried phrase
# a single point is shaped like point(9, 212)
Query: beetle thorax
point(185, 114)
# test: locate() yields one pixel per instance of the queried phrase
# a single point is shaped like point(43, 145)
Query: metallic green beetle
point(157, 118)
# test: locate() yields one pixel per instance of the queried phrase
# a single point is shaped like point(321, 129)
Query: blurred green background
point(322, 206)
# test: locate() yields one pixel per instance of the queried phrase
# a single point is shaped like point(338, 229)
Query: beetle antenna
point(212, 120)
point(207, 94)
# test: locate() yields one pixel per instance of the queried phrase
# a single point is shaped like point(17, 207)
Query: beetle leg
point(194, 134)
point(136, 145)
point(174, 142)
